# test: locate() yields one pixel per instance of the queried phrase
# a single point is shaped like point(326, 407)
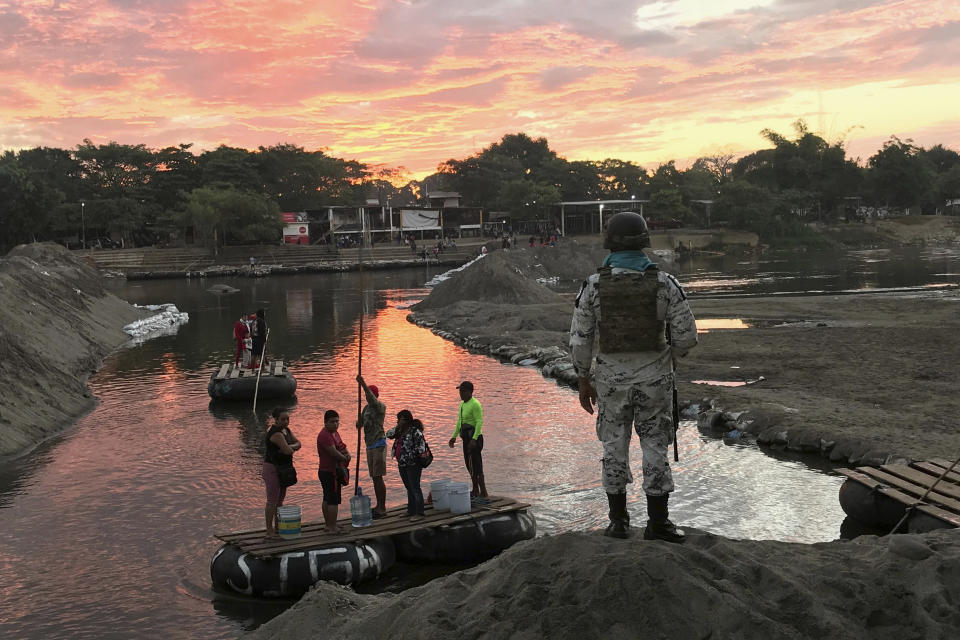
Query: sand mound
point(56, 323)
point(569, 263)
point(582, 586)
point(493, 280)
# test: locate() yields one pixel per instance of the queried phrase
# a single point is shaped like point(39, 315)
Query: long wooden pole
point(356, 475)
point(256, 388)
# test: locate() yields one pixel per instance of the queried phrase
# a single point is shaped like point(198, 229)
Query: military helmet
point(626, 230)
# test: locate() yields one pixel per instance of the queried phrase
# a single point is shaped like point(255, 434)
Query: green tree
point(620, 179)
point(900, 175)
point(225, 214)
point(229, 167)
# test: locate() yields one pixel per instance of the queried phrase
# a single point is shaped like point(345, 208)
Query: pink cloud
point(416, 83)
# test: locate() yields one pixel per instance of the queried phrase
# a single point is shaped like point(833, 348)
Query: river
point(106, 531)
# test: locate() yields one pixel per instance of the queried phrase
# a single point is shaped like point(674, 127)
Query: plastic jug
point(360, 513)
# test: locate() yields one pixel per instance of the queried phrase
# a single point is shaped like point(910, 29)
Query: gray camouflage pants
point(647, 407)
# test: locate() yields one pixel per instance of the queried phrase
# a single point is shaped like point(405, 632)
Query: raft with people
point(237, 382)
point(251, 564)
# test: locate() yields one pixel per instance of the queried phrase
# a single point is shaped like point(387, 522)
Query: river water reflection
point(106, 531)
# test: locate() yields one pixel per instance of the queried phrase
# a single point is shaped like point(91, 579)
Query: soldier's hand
point(453, 441)
point(588, 395)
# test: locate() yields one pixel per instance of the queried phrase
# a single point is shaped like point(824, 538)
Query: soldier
point(632, 306)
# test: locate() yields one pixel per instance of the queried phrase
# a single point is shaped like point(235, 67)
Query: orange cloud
point(413, 84)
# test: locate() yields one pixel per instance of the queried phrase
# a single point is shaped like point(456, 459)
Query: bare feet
point(332, 530)
point(416, 518)
point(272, 537)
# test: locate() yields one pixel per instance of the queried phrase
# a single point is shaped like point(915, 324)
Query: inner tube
point(271, 386)
point(293, 573)
point(469, 541)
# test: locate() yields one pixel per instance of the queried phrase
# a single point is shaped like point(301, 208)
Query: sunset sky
point(415, 82)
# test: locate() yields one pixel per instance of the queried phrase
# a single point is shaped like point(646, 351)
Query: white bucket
point(438, 489)
point(288, 521)
point(458, 497)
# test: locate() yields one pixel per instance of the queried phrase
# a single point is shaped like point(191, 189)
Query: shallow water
point(106, 531)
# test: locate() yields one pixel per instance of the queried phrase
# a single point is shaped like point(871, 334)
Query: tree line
point(228, 194)
point(773, 191)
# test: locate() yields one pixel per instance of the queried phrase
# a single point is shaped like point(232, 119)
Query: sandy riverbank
point(581, 586)
point(57, 323)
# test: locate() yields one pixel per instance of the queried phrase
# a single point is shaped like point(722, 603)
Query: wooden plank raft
point(907, 483)
point(230, 370)
point(313, 534)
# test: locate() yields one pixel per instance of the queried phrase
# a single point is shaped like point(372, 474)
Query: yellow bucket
point(288, 521)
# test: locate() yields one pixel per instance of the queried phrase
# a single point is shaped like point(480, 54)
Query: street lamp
point(83, 226)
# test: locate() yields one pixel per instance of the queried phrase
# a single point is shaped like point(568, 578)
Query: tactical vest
point(630, 317)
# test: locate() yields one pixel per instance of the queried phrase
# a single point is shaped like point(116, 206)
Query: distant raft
point(291, 574)
point(474, 540)
point(231, 382)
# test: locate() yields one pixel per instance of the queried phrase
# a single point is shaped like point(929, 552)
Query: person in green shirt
point(470, 429)
point(372, 424)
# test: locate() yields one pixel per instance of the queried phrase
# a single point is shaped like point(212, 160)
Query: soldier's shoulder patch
point(673, 280)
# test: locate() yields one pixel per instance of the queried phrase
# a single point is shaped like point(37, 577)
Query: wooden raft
point(907, 483)
point(313, 535)
point(275, 368)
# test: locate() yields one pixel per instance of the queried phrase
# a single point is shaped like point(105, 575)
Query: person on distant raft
point(633, 307)
point(259, 335)
point(240, 333)
point(280, 447)
point(331, 453)
point(470, 429)
point(371, 421)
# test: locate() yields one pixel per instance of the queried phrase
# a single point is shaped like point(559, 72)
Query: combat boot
point(619, 526)
point(659, 526)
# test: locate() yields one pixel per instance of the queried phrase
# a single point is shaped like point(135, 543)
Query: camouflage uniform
point(634, 388)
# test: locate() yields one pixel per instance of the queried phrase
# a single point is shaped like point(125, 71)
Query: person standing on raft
point(470, 428)
point(331, 453)
point(280, 447)
point(632, 306)
point(371, 421)
point(240, 333)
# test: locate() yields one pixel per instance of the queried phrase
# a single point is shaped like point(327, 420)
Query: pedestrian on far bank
point(470, 429)
point(331, 453)
point(408, 449)
point(371, 421)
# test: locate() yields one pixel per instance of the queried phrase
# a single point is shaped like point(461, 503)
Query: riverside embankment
point(57, 323)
